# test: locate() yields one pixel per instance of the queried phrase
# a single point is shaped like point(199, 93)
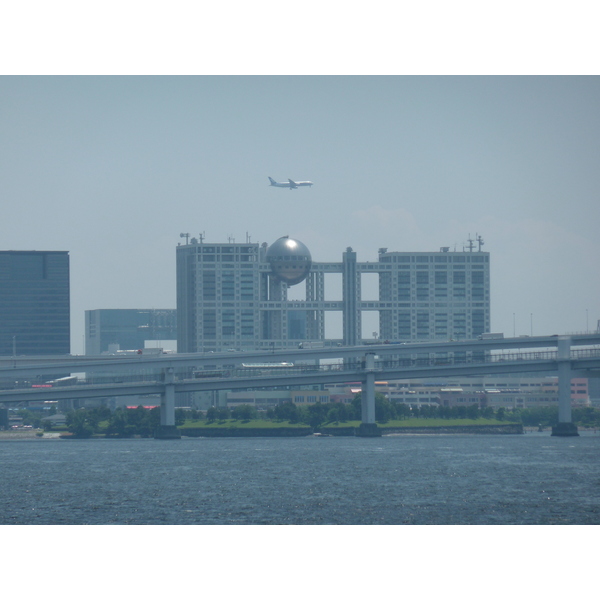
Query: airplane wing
point(292, 184)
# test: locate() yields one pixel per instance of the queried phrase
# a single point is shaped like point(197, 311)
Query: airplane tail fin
point(273, 182)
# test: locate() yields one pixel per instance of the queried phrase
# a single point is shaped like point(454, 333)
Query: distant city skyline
point(114, 169)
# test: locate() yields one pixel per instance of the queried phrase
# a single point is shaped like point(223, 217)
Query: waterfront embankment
point(245, 431)
point(509, 428)
point(349, 430)
point(216, 431)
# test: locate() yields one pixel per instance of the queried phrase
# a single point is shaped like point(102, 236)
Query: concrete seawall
point(245, 432)
point(512, 428)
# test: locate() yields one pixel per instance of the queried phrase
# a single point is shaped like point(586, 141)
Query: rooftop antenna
point(479, 241)
point(201, 236)
point(231, 239)
point(186, 236)
point(247, 238)
point(471, 244)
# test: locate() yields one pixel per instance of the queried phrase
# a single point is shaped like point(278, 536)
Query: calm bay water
point(393, 480)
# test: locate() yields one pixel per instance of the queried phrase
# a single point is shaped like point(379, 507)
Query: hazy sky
point(113, 169)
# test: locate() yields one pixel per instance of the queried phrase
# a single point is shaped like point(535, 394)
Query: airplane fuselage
point(292, 185)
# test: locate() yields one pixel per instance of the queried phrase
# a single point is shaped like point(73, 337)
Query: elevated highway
point(584, 362)
point(169, 374)
point(22, 366)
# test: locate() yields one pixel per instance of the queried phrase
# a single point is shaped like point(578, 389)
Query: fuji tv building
point(234, 296)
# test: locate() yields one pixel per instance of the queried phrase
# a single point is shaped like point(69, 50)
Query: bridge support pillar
point(368, 427)
point(565, 426)
point(167, 430)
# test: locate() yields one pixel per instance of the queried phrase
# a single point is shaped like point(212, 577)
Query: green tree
point(119, 425)
point(134, 421)
point(96, 415)
point(333, 415)
point(473, 411)
point(317, 414)
point(487, 412)
point(384, 410)
point(149, 422)
point(180, 416)
point(338, 413)
point(154, 417)
point(444, 412)
point(586, 416)
point(244, 412)
point(402, 410)
point(286, 411)
point(223, 413)
point(211, 415)
point(454, 412)
point(30, 418)
point(344, 412)
point(135, 416)
point(356, 407)
point(426, 411)
point(78, 424)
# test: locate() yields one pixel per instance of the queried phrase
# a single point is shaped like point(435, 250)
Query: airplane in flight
point(292, 185)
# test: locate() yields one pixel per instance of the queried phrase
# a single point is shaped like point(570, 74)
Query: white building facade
point(235, 296)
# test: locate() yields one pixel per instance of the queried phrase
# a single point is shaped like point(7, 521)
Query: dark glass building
point(34, 303)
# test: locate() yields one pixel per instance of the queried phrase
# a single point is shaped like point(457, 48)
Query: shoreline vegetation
point(259, 429)
point(289, 420)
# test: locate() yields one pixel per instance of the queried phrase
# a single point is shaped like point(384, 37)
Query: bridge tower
point(565, 426)
point(167, 429)
point(368, 427)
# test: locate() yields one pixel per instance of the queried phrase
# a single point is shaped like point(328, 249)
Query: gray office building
point(34, 303)
point(235, 296)
point(127, 329)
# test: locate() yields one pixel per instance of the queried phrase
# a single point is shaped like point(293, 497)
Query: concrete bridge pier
point(565, 426)
point(368, 427)
point(167, 430)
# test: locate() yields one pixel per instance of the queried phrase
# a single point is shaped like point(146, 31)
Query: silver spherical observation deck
point(290, 260)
